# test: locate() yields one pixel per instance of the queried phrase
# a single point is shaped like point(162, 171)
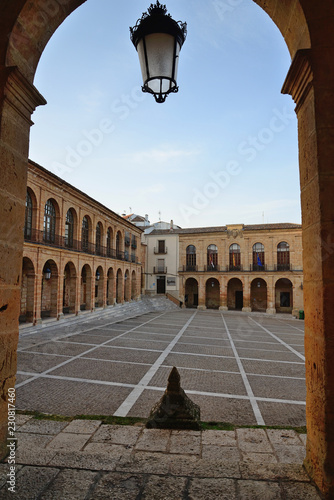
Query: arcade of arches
point(77, 254)
point(228, 294)
point(307, 27)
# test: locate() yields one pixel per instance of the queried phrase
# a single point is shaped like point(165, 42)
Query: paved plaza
point(247, 369)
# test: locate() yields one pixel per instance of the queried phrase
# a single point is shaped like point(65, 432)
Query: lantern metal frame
point(157, 20)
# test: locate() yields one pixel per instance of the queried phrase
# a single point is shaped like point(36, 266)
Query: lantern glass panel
point(160, 59)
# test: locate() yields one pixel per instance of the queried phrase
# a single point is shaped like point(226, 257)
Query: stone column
point(271, 309)
point(223, 294)
point(60, 293)
point(18, 100)
point(201, 293)
point(246, 295)
point(311, 84)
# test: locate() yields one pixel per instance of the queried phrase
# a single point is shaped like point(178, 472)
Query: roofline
point(62, 181)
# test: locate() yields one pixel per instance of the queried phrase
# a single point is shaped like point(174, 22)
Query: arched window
point(212, 258)
point(191, 258)
point(85, 234)
point(283, 256)
point(235, 258)
point(49, 228)
point(69, 229)
point(258, 257)
point(28, 218)
point(109, 242)
point(98, 239)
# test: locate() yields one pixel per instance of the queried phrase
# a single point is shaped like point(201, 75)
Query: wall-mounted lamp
point(258, 284)
point(47, 274)
point(158, 40)
point(97, 275)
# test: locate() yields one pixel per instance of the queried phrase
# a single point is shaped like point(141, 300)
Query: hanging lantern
point(97, 276)
point(47, 274)
point(158, 40)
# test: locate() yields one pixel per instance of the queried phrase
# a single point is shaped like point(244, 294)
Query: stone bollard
point(174, 410)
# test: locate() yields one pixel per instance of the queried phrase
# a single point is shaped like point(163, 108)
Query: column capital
point(299, 79)
point(19, 92)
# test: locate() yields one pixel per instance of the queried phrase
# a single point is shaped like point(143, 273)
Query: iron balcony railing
point(257, 267)
point(160, 270)
point(189, 268)
point(55, 240)
point(283, 267)
point(160, 251)
point(212, 268)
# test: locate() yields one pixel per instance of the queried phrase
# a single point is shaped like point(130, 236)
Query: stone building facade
point(234, 267)
point(78, 254)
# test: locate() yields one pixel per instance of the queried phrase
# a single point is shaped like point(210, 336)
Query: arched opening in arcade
point(133, 286)
point(127, 286)
point(86, 288)
point(110, 287)
point(119, 287)
point(235, 300)
point(27, 291)
point(259, 295)
point(99, 286)
point(49, 302)
point(191, 293)
point(69, 288)
point(212, 294)
point(283, 296)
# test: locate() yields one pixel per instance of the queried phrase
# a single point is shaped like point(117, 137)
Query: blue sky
point(221, 151)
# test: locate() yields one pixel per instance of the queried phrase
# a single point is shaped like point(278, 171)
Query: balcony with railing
point(212, 268)
point(189, 268)
point(160, 270)
point(258, 268)
point(160, 251)
point(68, 243)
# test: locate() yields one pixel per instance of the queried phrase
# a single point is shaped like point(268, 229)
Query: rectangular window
point(161, 246)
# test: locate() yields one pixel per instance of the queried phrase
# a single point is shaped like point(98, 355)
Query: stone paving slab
point(155, 464)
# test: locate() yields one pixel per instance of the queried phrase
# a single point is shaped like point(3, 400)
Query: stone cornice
point(299, 79)
point(20, 93)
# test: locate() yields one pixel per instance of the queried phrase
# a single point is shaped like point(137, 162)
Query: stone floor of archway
point(89, 460)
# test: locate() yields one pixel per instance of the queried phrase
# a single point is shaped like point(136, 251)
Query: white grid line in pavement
point(253, 402)
point(128, 403)
point(281, 341)
point(162, 389)
point(169, 366)
point(81, 355)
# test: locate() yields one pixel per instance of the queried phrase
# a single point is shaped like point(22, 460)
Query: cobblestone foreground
point(87, 460)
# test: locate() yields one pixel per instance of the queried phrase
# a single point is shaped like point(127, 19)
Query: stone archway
point(28, 25)
point(119, 287)
point(69, 288)
point(235, 294)
point(27, 291)
point(191, 293)
point(110, 287)
point(86, 288)
point(283, 295)
point(259, 295)
point(212, 293)
point(49, 298)
point(99, 286)
point(133, 286)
